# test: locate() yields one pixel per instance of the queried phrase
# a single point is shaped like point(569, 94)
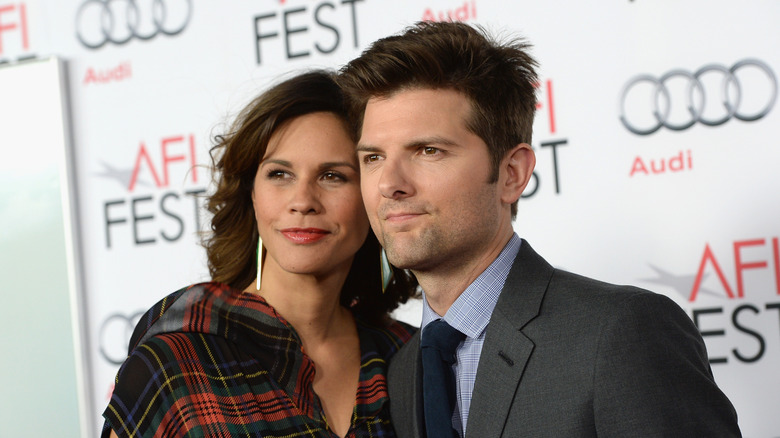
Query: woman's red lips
point(304, 235)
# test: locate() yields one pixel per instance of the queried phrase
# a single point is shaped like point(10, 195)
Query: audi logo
point(678, 107)
point(115, 333)
point(99, 22)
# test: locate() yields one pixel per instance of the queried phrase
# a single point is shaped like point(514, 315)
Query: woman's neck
point(311, 304)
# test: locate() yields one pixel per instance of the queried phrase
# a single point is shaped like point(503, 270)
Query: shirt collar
point(470, 313)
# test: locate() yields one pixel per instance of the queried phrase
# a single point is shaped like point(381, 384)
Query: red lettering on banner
point(708, 256)
point(639, 166)
point(549, 100)
point(21, 25)
point(193, 164)
point(677, 163)
point(776, 254)
point(142, 155)
point(167, 159)
point(468, 11)
point(742, 266)
point(119, 73)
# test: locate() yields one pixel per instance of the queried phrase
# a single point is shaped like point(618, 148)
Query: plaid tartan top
point(209, 360)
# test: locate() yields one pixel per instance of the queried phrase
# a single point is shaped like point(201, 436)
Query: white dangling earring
point(387, 270)
point(259, 260)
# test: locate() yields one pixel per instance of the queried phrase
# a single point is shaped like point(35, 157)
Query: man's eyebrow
point(419, 142)
point(367, 148)
point(433, 140)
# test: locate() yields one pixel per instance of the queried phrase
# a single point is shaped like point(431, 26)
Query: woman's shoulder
point(166, 371)
point(170, 314)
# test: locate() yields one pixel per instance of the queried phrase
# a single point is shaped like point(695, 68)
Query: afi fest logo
point(735, 278)
point(14, 31)
point(117, 22)
point(680, 99)
point(545, 115)
point(545, 111)
point(153, 211)
point(300, 31)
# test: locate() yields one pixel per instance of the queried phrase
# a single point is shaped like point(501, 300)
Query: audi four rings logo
point(115, 333)
point(100, 22)
point(657, 111)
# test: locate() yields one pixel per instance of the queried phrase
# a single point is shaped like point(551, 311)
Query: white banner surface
point(656, 139)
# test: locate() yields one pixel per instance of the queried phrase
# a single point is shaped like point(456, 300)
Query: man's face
point(424, 180)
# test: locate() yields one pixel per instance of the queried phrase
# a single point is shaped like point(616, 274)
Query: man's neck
point(444, 284)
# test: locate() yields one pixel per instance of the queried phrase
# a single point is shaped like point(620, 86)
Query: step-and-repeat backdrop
point(656, 137)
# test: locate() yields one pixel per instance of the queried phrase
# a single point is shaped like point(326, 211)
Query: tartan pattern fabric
point(211, 361)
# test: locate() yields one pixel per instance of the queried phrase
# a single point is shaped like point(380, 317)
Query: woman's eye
point(276, 174)
point(333, 176)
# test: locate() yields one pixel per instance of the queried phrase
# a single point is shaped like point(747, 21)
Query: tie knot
point(441, 336)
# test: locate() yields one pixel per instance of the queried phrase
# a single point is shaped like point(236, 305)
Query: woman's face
point(306, 196)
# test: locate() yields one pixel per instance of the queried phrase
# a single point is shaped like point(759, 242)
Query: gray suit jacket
point(568, 356)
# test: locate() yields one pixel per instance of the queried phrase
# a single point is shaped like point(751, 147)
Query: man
point(445, 117)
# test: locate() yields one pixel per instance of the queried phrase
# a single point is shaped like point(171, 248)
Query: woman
point(292, 336)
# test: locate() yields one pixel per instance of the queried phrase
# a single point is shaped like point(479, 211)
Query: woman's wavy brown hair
point(232, 244)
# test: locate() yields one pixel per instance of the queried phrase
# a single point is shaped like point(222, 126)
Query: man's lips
point(401, 217)
point(304, 235)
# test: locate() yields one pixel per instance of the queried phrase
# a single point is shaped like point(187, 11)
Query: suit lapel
point(405, 390)
point(507, 350)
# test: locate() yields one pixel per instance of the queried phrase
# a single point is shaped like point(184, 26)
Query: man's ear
point(515, 172)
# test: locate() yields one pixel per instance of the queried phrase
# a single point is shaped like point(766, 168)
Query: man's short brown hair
point(498, 78)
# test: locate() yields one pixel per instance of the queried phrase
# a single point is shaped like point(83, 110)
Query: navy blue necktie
point(438, 345)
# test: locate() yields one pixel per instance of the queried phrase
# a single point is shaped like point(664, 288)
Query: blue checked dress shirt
point(470, 314)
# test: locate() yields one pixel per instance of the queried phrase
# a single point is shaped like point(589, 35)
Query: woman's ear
point(515, 172)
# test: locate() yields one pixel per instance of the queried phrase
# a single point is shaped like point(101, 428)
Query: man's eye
point(429, 150)
point(371, 158)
